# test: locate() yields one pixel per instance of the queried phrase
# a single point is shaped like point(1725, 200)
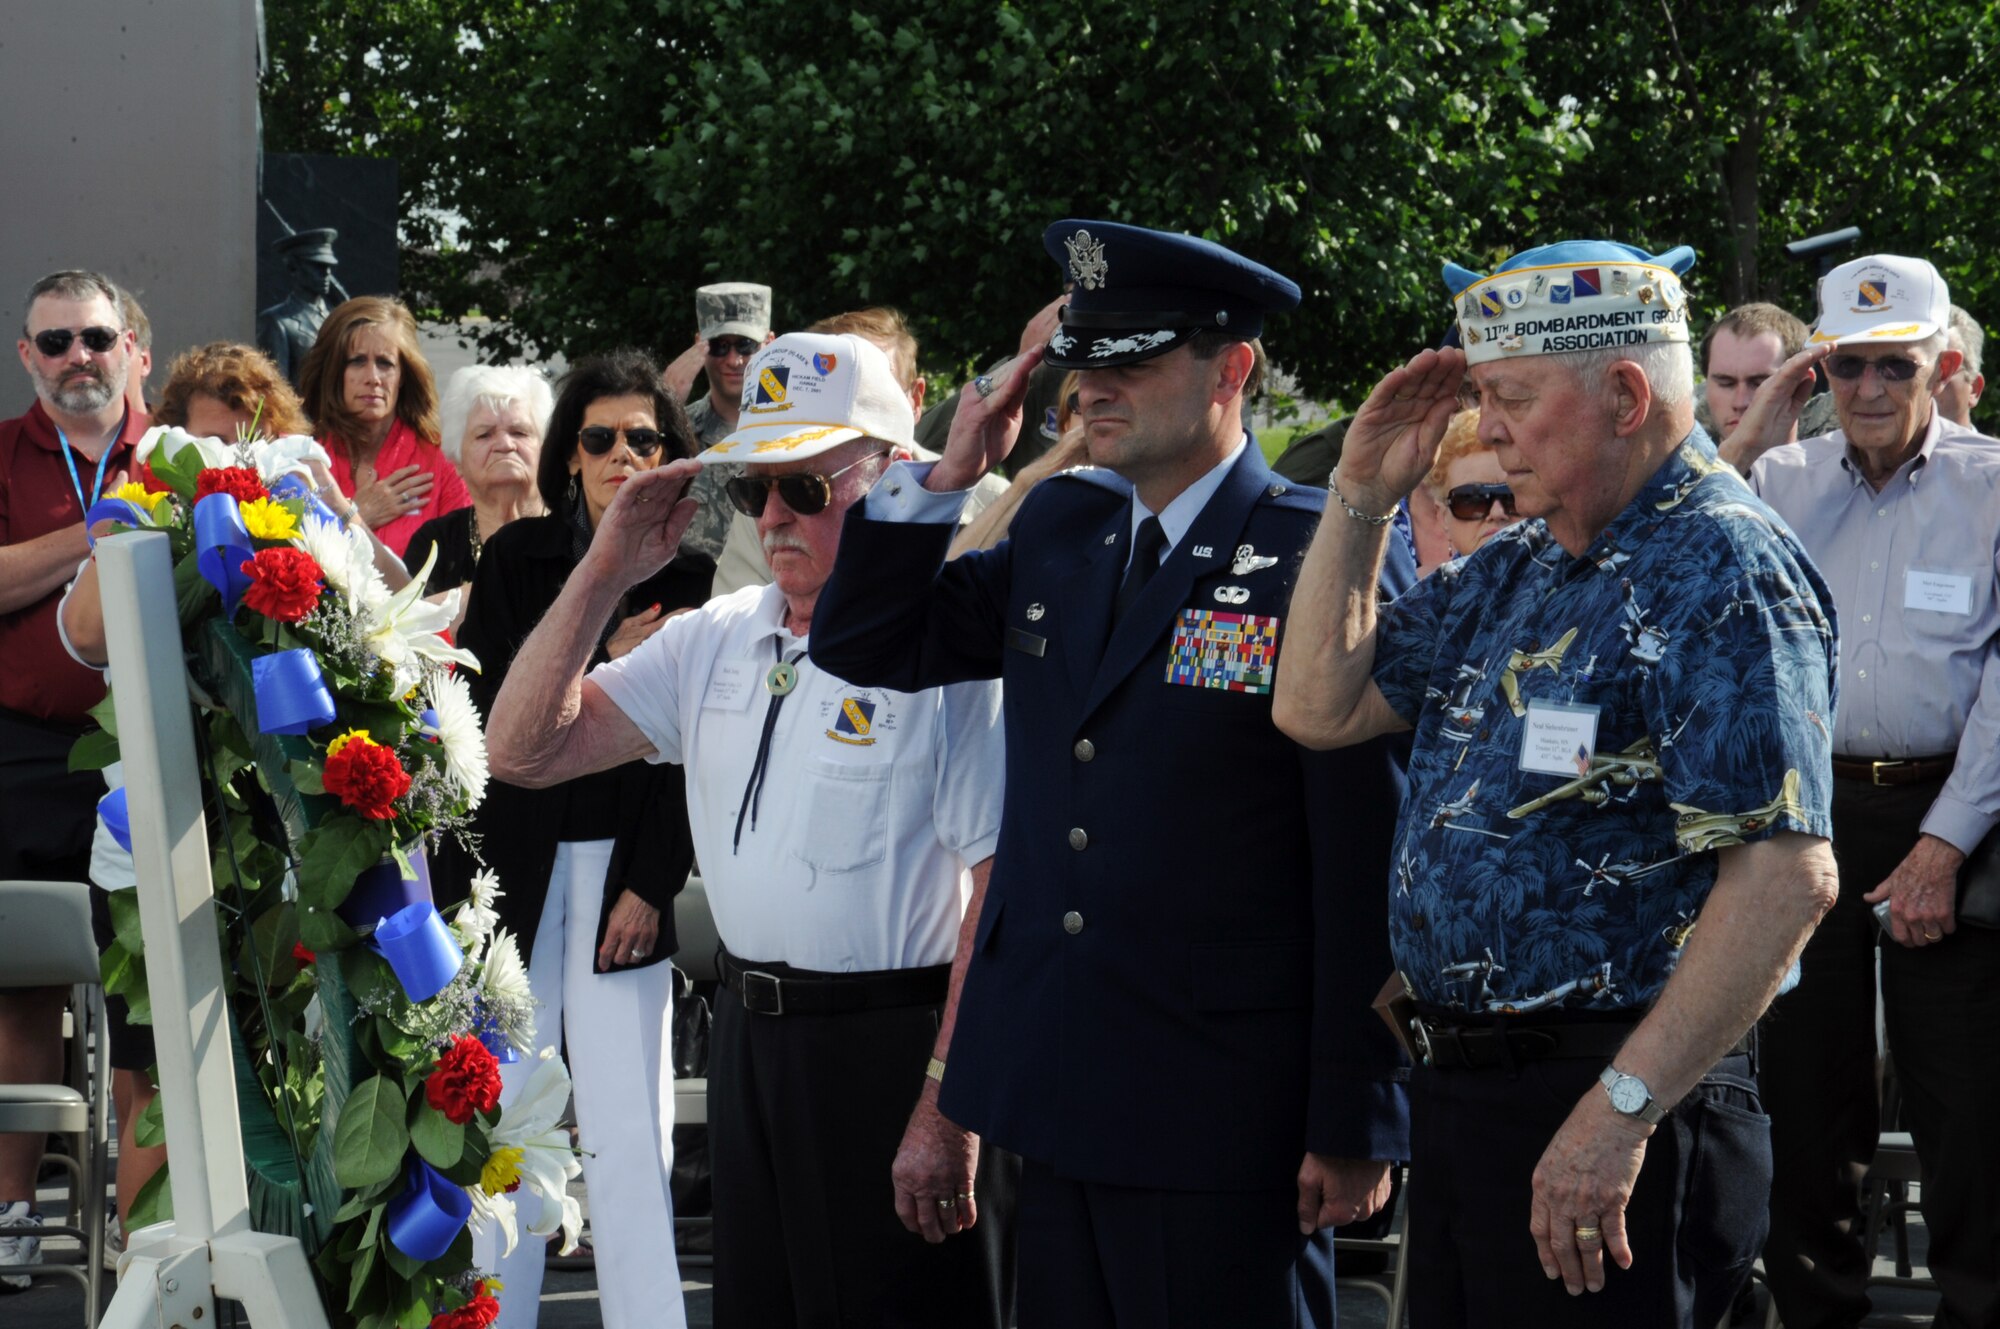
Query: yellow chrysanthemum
point(351, 736)
point(139, 496)
point(267, 519)
point(502, 1171)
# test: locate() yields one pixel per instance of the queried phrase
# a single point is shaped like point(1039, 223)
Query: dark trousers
point(805, 1113)
point(1094, 1256)
point(47, 814)
point(1695, 1219)
point(1942, 1008)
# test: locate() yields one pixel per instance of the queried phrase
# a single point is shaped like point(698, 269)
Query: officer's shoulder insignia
point(1298, 498)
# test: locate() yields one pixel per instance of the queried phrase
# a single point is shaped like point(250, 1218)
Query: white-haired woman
point(493, 419)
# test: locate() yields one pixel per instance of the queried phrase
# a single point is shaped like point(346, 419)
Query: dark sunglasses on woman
point(804, 492)
point(597, 440)
point(55, 341)
point(1471, 502)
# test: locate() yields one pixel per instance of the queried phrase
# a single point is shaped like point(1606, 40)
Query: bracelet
point(1354, 512)
point(935, 1070)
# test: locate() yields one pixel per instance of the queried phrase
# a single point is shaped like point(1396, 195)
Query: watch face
point(1628, 1095)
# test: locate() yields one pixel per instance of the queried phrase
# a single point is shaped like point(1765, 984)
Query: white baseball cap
point(808, 393)
point(1881, 298)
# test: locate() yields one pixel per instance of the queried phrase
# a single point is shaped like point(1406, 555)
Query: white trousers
point(621, 1062)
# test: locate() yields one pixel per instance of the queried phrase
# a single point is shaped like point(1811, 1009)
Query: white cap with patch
point(1881, 298)
point(808, 393)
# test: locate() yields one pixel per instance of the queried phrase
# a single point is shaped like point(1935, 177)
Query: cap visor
point(795, 441)
point(1102, 348)
point(1885, 334)
point(750, 330)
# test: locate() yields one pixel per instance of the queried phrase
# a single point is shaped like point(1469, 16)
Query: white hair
point(1967, 338)
point(494, 387)
point(1668, 366)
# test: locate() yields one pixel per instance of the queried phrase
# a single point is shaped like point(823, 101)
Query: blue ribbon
point(291, 692)
point(429, 1213)
point(112, 509)
point(293, 485)
point(223, 545)
point(383, 890)
point(420, 948)
point(112, 812)
point(488, 1031)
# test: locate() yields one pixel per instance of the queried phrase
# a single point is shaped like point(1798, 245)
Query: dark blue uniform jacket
point(1186, 921)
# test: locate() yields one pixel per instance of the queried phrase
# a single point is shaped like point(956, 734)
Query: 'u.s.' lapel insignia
point(1035, 612)
point(1249, 560)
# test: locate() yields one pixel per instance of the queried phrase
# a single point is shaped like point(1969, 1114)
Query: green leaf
point(359, 1276)
point(154, 1203)
point(324, 930)
point(124, 906)
point(306, 777)
point(94, 751)
point(267, 948)
point(105, 714)
point(438, 1139)
point(149, 1130)
point(332, 856)
point(369, 1144)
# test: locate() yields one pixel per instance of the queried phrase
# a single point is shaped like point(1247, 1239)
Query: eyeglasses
point(1471, 502)
point(97, 341)
point(721, 348)
point(804, 492)
point(1890, 369)
point(597, 440)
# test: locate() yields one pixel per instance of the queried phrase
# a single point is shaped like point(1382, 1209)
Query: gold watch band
point(935, 1070)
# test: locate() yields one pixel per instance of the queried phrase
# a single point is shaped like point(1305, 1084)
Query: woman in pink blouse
point(374, 407)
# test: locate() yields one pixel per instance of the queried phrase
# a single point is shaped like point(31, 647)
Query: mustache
point(774, 541)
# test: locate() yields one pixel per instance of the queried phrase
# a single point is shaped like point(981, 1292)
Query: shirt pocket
point(846, 817)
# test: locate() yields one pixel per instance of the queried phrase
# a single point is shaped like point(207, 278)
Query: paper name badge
point(1940, 592)
point(731, 685)
point(1558, 738)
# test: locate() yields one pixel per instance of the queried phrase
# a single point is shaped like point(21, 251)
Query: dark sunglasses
point(1471, 502)
point(721, 347)
point(56, 341)
point(597, 440)
point(1892, 369)
point(804, 492)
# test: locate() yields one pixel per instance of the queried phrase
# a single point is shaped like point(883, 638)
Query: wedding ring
point(638, 954)
point(1931, 934)
point(965, 1195)
point(1589, 1235)
point(985, 386)
point(947, 1204)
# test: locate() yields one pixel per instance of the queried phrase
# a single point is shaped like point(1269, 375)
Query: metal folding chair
point(45, 941)
point(694, 931)
point(1392, 1286)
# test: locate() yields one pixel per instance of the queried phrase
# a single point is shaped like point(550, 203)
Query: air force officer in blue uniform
point(1167, 1010)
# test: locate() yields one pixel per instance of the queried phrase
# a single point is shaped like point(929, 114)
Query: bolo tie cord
point(753, 792)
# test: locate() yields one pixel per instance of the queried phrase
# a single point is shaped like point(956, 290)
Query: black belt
point(769, 989)
point(1900, 770)
point(1447, 1045)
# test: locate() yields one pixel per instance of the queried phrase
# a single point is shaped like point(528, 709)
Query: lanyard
point(784, 676)
point(103, 459)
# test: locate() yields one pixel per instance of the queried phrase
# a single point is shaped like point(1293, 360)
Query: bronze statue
point(287, 330)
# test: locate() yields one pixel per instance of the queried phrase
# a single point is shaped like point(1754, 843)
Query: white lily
point(405, 629)
point(290, 455)
point(532, 1125)
point(168, 440)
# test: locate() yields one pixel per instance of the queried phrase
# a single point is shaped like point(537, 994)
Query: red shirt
point(37, 677)
point(403, 448)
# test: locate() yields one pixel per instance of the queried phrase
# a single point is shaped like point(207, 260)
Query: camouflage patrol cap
point(733, 309)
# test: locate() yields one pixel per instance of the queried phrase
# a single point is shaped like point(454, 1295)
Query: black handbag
point(1979, 884)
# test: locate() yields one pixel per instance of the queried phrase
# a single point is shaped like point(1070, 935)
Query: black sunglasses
point(56, 341)
point(720, 347)
point(597, 440)
point(804, 492)
point(1890, 369)
point(1471, 502)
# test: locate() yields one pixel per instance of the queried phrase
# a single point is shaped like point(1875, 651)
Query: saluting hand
point(1768, 421)
point(984, 427)
point(1394, 437)
point(641, 531)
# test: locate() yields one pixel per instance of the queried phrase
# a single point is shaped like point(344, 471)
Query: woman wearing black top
point(590, 868)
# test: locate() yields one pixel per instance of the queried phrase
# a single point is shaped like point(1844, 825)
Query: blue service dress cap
point(1139, 293)
point(1676, 260)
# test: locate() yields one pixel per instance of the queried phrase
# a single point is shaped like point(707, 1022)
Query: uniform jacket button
point(1085, 749)
point(1072, 922)
point(1078, 838)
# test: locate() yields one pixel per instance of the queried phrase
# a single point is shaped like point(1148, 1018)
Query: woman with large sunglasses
point(590, 867)
point(1469, 487)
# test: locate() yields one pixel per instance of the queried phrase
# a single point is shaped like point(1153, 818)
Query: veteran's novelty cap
point(1576, 295)
point(1881, 298)
point(808, 393)
point(1140, 293)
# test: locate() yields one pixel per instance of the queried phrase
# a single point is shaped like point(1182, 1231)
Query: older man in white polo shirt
point(841, 831)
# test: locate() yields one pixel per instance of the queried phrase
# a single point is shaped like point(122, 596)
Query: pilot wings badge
point(1086, 260)
point(1248, 560)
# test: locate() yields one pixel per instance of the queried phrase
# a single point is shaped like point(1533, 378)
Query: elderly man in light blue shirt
point(1901, 511)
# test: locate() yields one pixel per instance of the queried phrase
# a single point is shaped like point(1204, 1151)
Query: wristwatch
point(1630, 1097)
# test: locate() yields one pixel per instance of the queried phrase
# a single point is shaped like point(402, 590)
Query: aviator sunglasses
point(1471, 502)
point(597, 440)
point(721, 347)
point(1891, 369)
point(804, 492)
point(97, 341)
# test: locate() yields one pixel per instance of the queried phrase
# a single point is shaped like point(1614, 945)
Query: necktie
point(1146, 546)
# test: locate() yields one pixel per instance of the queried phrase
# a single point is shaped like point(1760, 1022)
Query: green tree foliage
point(606, 157)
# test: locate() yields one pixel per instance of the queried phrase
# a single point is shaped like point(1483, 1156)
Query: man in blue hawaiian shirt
point(1615, 838)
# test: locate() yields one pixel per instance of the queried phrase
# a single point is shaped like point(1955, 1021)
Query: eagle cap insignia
point(1086, 260)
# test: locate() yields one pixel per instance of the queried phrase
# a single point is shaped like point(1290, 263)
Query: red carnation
point(301, 954)
point(467, 1080)
point(239, 482)
point(366, 776)
point(481, 1311)
point(153, 483)
point(284, 583)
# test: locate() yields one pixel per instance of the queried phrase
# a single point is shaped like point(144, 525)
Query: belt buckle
point(754, 984)
point(1422, 1037)
point(1875, 769)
